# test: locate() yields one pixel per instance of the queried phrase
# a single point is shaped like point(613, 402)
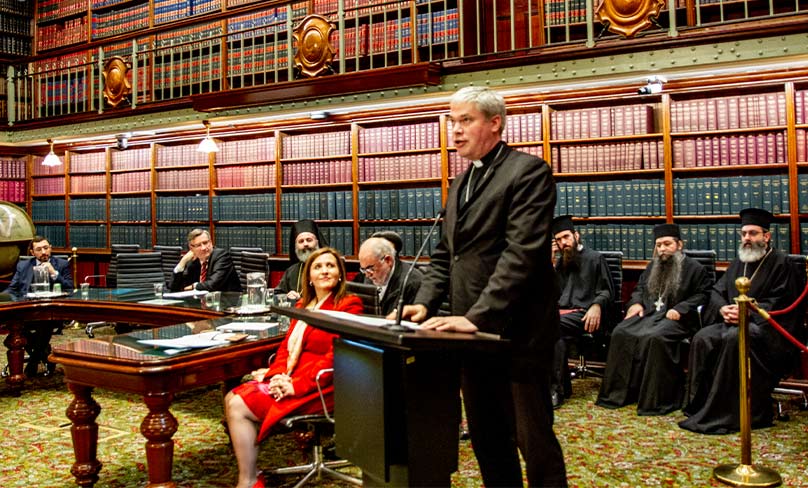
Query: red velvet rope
point(791, 307)
point(779, 327)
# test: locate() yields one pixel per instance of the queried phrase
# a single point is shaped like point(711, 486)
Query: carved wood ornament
point(116, 83)
point(628, 17)
point(314, 54)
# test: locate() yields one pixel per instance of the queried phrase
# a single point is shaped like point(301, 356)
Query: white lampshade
point(51, 159)
point(208, 145)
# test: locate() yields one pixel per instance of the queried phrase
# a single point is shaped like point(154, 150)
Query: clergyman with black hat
point(304, 239)
point(583, 277)
point(647, 356)
point(713, 390)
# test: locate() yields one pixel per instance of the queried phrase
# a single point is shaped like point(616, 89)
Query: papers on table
point(185, 294)
point(160, 301)
point(247, 326)
point(46, 294)
point(191, 341)
point(366, 320)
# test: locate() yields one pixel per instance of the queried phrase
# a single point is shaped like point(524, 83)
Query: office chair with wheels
point(317, 426)
point(140, 270)
point(254, 262)
point(112, 271)
point(235, 256)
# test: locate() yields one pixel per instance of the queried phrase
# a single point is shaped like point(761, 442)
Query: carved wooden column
point(83, 411)
point(158, 427)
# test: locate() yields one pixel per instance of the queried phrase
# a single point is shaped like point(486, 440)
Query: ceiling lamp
point(51, 159)
point(208, 145)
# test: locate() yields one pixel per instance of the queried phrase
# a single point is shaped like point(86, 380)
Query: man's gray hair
point(196, 233)
point(381, 247)
point(487, 101)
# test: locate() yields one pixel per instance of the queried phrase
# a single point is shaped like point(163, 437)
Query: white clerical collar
point(477, 163)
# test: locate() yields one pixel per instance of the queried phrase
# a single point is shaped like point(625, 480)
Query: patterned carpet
point(602, 448)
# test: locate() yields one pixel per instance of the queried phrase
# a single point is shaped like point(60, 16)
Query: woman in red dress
point(288, 385)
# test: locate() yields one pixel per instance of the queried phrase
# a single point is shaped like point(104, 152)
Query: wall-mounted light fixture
point(653, 85)
point(51, 159)
point(319, 115)
point(208, 145)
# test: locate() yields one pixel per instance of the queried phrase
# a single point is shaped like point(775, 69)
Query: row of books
point(621, 156)
point(88, 184)
point(69, 32)
point(135, 181)
point(390, 36)
point(133, 158)
point(16, 46)
point(114, 22)
point(49, 66)
point(637, 240)
point(172, 10)
point(48, 10)
point(317, 205)
point(183, 179)
point(353, 8)
point(15, 25)
point(257, 59)
point(318, 145)
point(181, 209)
point(623, 120)
point(88, 162)
point(722, 113)
point(412, 235)
point(729, 195)
point(180, 155)
point(48, 210)
point(611, 198)
point(12, 191)
point(402, 167)
point(801, 106)
point(254, 175)
point(730, 150)
point(439, 27)
point(88, 236)
point(258, 206)
point(254, 20)
point(187, 71)
point(403, 204)
point(49, 186)
point(340, 238)
point(802, 145)
point(16, 7)
point(173, 235)
point(131, 209)
point(200, 32)
point(399, 138)
point(70, 93)
point(56, 234)
point(12, 168)
point(88, 209)
point(317, 172)
point(131, 234)
point(519, 128)
point(246, 151)
point(227, 236)
point(99, 4)
point(561, 12)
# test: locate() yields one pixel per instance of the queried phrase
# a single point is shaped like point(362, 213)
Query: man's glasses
point(41, 248)
point(371, 268)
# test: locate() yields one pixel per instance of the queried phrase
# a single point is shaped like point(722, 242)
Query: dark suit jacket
point(21, 282)
point(493, 258)
point(222, 274)
point(391, 294)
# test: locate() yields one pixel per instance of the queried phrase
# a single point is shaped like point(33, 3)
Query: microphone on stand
point(397, 327)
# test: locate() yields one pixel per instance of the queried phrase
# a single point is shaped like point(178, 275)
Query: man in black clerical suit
point(493, 260)
point(713, 405)
point(379, 265)
point(304, 239)
point(586, 292)
point(204, 267)
point(646, 361)
point(38, 333)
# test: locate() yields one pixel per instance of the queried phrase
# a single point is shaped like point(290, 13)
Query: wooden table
point(120, 363)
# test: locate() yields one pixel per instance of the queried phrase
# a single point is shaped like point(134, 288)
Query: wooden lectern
point(397, 400)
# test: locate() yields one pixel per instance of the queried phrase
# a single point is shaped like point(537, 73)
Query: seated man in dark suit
point(380, 265)
point(304, 239)
point(647, 356)
point(38, 333)
point(583, 276)
point(204, 267)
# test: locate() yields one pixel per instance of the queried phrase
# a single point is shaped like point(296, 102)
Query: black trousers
point(507, 413)
point(37, 340)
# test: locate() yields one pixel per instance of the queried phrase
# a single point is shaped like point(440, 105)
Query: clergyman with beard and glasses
point(304, 239)
point(713, 390)
point(583, 277)
point(647, 355)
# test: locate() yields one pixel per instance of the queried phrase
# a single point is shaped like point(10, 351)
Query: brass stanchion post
point(745, 474)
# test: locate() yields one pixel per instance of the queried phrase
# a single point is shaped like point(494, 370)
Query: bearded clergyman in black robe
point(713, 405)
point(583, 277)
point(647, 357)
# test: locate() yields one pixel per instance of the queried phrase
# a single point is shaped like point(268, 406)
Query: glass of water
point(41, 282)
point(256, 288)
point(158, 290)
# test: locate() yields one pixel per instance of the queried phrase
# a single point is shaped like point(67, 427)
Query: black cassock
point(713, 405)
point(646, 355)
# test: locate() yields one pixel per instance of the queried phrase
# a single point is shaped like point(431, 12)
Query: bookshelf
point(15, 28)
point(12, 179)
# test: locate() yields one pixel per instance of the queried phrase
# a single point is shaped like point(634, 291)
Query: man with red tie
point(204, 267)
